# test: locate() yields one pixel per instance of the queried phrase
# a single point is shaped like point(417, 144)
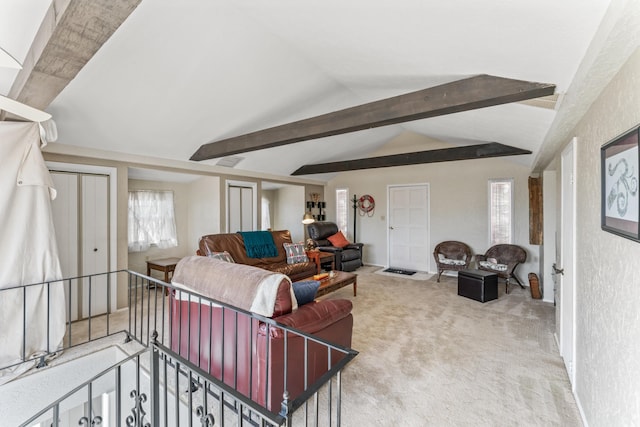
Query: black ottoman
point(478, 285)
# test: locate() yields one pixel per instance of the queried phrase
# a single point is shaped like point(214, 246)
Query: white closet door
point(95, 243)
point(234, 210)
point(65, 220)
point(246, 212)
point(240, 209)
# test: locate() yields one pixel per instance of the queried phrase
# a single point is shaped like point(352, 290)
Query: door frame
point(549, 251)
point(112, 173)
point(428, 228)
point(568, 301)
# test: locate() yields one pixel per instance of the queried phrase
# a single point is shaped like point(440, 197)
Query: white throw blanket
point(242, 286)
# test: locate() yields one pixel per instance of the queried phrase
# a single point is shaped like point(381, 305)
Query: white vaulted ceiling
point(179, 74)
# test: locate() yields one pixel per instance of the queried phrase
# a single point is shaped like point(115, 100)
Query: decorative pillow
point(295, 253)
point(494, 266)
point(449, 261)
point(222, 256)
point(338, 240)
point(305, 291)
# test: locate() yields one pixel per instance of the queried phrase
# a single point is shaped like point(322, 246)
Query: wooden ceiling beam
point(71, 33)
point(480, 151)
point(461, 95)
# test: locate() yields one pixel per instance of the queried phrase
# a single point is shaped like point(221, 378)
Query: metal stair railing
point(170, 389)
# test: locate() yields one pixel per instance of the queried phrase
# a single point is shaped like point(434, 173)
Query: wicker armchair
point(503, 259)
point(452, 255)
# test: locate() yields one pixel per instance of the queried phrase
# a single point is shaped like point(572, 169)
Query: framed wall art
point(620, 159)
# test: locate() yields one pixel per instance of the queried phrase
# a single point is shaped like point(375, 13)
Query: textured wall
point(203, 210)
point(607, 278)
point(289, 211)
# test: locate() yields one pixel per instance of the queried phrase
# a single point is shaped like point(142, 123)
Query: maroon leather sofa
point(234, 244)
point(248, 354)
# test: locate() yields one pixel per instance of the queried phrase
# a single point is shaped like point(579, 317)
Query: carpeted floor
point(429, 357)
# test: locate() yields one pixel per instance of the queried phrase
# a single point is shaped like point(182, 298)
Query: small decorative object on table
point(310, 245)
point(320, 276)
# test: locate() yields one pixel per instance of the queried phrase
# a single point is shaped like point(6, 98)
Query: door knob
point(95, 249)
point(390, 228)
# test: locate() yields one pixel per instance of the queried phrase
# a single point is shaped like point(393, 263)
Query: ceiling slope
point(175, 75)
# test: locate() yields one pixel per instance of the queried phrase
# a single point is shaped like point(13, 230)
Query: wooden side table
point(166, 265)
point(319, 258)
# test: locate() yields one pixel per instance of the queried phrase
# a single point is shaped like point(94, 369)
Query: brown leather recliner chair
point(348, 258)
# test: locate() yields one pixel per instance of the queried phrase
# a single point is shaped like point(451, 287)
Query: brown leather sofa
point(234, 244)
point(249, 354)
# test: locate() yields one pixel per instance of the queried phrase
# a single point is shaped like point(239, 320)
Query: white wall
point(288, 211)
point(607, 382)
point(458, 202)
point(203, 210)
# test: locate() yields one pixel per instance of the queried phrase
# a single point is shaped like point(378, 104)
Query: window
point(266, 215)
point(151, 220)
point(500, 211)
point(342, 209)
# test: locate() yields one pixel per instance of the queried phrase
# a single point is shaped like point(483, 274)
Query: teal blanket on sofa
point(259, 244)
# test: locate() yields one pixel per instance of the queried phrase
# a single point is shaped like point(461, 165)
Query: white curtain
point(28, 252)
point(151, 220)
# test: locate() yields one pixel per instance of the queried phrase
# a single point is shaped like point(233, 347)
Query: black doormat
point(399, 271)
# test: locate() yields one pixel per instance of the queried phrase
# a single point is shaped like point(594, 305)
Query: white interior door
point(408, 227)
point(246, 213)
point(567, 291)
point(242, 210)
point(234, 210)
point(95, 243)
point(65, 219)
